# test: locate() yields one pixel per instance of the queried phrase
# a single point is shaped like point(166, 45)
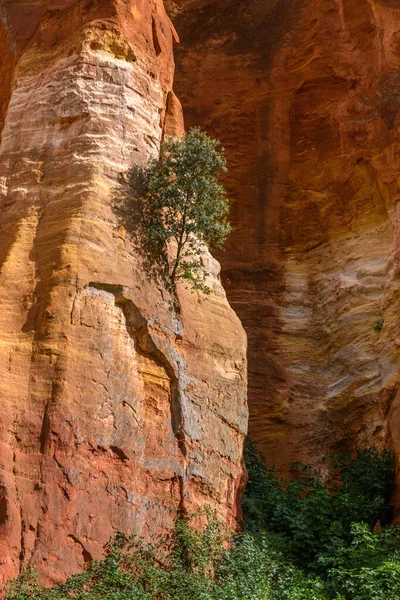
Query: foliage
point(328, 554)
point(186, 204)
point(368, 568)
point(300, 544)
point(197, 566)
point(378, 325)
point(192, 565)
point(311, 517)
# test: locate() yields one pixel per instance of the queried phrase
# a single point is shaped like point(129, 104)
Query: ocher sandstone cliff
point(115, 410)
point(305, 96)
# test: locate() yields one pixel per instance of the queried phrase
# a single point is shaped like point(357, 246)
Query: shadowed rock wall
point(117, 409)
point(305, 96)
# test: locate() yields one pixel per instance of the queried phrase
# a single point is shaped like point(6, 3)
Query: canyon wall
point(305, 97)
point(120, 404)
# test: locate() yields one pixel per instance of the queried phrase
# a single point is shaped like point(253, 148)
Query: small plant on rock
point(378, 325)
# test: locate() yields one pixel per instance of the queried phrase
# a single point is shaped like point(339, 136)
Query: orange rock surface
point(117, 409)
point(305, 96)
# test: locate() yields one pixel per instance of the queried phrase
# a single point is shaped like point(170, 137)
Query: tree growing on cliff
point(185, 207)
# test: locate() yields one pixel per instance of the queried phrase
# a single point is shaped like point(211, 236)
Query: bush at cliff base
point(338, 533)
point(192, 565)
point(301, 543)
point(198, 568)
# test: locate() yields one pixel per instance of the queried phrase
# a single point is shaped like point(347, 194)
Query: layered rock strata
point(305, 96)
point(120, 404)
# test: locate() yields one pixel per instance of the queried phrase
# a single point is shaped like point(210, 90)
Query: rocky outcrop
point(117, 407)
point(305, 96)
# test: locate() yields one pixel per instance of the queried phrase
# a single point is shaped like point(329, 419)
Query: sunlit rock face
point(118, 408)
point(305, 97)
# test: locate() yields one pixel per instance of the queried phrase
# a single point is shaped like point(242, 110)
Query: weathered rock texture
point(305, 96)
point(116, 410)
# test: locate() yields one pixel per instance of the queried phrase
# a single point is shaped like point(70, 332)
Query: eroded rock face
point(305, 96)
point(117, 409)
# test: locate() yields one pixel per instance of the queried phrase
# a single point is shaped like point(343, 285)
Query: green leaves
point(325, 533)
point(369, 568)
point(194, 563)
point(300, 545)
point(185, 203)
point(312, 516)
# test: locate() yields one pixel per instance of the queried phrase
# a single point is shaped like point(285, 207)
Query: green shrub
point(192, 565)
point(314, 518)
point(300, 544)
point(327, 530)
point(378, 325)
point(367, 569)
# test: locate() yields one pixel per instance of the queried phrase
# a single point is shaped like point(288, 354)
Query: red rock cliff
point(115, 409)
point(305, 96)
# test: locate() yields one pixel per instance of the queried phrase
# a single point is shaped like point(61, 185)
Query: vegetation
point(193, 565)
point(378, 325)
point(336, 535)
point(313, 519)
point(303, 540)
point(185, 204)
